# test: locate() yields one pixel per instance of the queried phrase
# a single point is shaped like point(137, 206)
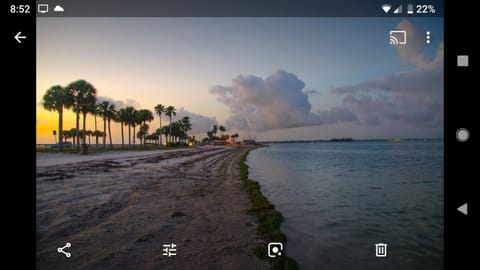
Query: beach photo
point(239, 143)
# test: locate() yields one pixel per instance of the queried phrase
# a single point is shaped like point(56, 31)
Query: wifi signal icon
point(398, 37)
point(386, 7)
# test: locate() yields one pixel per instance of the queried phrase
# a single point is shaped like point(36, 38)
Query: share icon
point(60, 250)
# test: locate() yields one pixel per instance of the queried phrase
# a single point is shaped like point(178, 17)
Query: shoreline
point(268, 219)
point(118, 212)
point(44, 159)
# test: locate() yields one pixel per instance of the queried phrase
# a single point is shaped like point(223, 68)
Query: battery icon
point(410, 9)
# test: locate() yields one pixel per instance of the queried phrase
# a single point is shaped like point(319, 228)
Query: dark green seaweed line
point(268, 221)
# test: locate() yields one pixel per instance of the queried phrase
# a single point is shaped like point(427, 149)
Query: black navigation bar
point(461, 142)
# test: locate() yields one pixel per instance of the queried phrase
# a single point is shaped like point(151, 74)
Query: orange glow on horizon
point(47, 121)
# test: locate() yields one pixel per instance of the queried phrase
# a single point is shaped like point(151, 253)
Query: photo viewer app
point(240, 142)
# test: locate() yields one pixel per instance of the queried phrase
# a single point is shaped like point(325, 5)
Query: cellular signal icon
point(386, 7)
point(398, 10)
point(398, 37)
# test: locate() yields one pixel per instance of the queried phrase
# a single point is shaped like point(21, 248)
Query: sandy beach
point(118, 209)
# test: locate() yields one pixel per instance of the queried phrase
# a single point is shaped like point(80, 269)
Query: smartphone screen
point(252, 135)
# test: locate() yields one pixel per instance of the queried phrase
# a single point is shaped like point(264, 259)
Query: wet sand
point(117, 211)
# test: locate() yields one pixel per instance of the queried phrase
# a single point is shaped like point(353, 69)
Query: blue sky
point(177, 61)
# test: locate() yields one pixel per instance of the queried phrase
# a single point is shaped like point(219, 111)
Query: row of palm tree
point(72, 134)
point(80, 96)
point(212, 134)
point(175, 133)
point(168, 111)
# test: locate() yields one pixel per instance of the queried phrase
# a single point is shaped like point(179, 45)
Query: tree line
point(212, 134)
point(81, 97)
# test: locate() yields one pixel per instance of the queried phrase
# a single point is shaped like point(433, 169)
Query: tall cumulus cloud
point(277, 101)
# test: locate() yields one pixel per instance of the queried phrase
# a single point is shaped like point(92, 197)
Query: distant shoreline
point(350, 140)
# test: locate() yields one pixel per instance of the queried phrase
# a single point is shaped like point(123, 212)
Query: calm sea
point(339, 199)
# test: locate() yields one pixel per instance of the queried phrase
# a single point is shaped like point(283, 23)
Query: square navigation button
point(462, 60)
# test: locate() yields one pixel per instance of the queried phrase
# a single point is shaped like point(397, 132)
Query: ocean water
point(341, 198)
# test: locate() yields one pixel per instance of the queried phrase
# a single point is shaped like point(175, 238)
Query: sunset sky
point(266, 78)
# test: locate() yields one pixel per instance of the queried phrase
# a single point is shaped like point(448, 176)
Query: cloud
point(133, 103)
point(280, 101)
point(414, 97)
point(412, 53)
point(58, 8)
point(310, 92)
point(118, 103)
point(200, 123)
point(275, 102)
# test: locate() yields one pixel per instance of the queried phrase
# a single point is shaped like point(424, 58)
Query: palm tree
point(169, 111)
point(56, 99)
point(142, 133)
point(173, 132)
point(106, 110)
point(54, 133)
point(110, 115)
point(74, 134)
point(222, 136)
point(77, 128)
point(128, 118)
point(67, 135)
point(144, 116)
point(152, 137)
point(159, 109)
point(89, 134)
point(98, 133)
point(103, 111)
point(234, 136)
point(186, 125)
point(165, 131)
point(84, 99)
point(222, 129)
point(214, 131)
point(120, 117)
point(134, 121)
point(158, 133)
point(95, 112)
point(210, 135)
point(82, 133)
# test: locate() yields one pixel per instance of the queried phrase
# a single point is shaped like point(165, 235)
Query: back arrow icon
point(19, 38)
